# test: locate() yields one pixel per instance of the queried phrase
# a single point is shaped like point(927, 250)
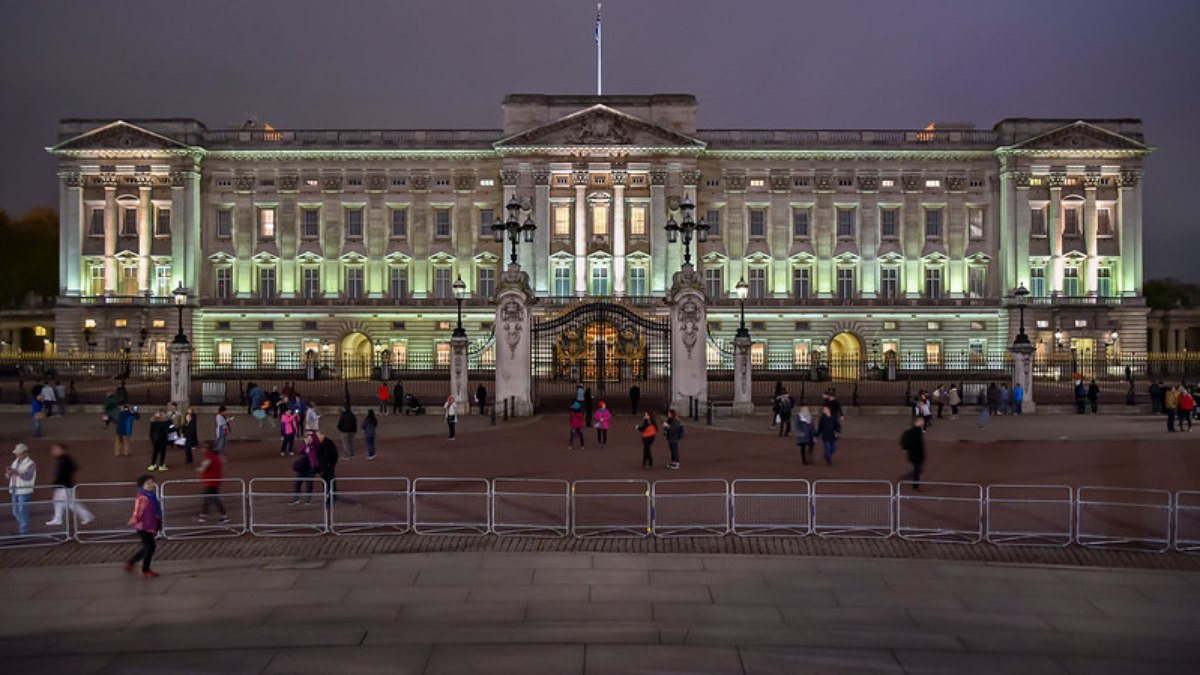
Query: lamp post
point(743, 289)
point(460, 290)
point(514, 228)
point(687, 228)
point(181, 355)
point(181, 298)
point(1020, 296)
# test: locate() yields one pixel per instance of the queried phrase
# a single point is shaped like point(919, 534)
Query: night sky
point(751, 63)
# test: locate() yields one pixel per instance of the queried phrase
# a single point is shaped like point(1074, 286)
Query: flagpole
point(599, 55)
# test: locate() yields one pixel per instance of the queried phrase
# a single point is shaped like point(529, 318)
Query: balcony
point(1085, 301)
point(793, 303)
point(335, 301)
point(125, 300)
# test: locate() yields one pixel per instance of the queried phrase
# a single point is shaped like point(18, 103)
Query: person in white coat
point(22, 476)
point(451, 409)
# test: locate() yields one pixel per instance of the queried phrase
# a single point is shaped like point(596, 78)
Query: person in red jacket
point(211, 470)
point(383, 394)
point(147, 520)
point(1187, 407)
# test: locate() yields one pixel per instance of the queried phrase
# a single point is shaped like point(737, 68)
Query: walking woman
point(147, 520)
point(603, 419)
point(289, 425)
point(804, 433)
point(369, 426)
point(451, 409)
point(649, 430)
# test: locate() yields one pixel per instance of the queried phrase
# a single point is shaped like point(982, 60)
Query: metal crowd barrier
point(771, 507)
point(370, 506)
point(459, 506)
point(40, 512)
point(111, 505)
point(610, 508)
point(190, 513)
point(1187, 521)
point(1123, 518)
point(949, 513)
point(853, 508)
point(285, 507)
point(1029, 515)
point(531, 507)
point(689, 507)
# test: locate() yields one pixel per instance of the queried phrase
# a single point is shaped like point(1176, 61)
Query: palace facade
point(348, 242)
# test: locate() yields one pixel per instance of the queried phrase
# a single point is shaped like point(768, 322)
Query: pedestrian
point(912, 441)
point(273, 400)
point(575, 426)
point(450, 409)
point(1093, 397)
point(1155, 392)
point(982, 400)
point(785, 414)
point(60, 397)
point(223, 421)
point(993, 398)
point(673, 430)
point(48, 398)
point(305, 467)
point(160, 428)
point(940, 396)
point(64, 480)
point(588, 403)
point(369, 426)
point(955, 400)
point(835, 406)
point(481, 398)
point(289, 426)
point(112, 408)
point(603, 419)
point(211, 470)
point(327, 459)
point(829, 429)
point(805, 433)
point(1004, 398)
point(312, 418)
point(37, 412)
point(254, 398)
point(1018, 396)
point(635, 396)
point(147, 521)
point(649, 431)
point(125, 420)
point(22, 476)
point(348, 426)
point(382, 393)
point(1187, 407)
point(1171, 405)
point(1080, 398)
point(397, 397)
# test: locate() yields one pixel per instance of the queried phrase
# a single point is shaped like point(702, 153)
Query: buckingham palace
point(364, 242)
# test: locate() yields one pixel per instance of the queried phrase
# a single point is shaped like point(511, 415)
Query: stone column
point(581, 281)
point(1091, 182)
point(743, 385)
point(514, 345)
point(658, 235)
point(689, 339)
point(1024, 224)
point(145, 236)
point(72, 226)
point(1023, 373)
point(541, 238)
point(1130, 204)
point(181, 374)
point(459, 372)
point(110, 239)
point(618, 179)
point(1054, 228)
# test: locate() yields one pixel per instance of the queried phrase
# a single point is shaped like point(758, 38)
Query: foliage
point(29, 257)
point(1163, 294)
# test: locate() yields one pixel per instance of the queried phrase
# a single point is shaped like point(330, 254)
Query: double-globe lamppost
point(687, 228)
point(514, 229)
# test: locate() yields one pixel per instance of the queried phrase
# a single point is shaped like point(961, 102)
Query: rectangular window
point(637, 221)
point(713, 218)
point(845, 222)
point(129, 223)
point(311, 282)
point(800, 225)
point(845, 282)
point(399, 354)
point(758, 354)
point(398, 283)
point(889, 282)
point(562, 220)
point(96, 279)
point(129, 280)
point(1071, 282)
point(486, 218)
point(758, 222)
point(599, 219)
point(354, 283)
point(441, 283)
point(1037, 222)
point(441, 223)
point(975, 223)
point(600, 285)
point(96, 225)
point(1104, 222)
point(637, 281)
point(162, 281)
point(225, 353)
point(266, 353)
point(442, 354)
point(933, 354)
point(224, 279)
point(933, 223)
point(801, 282)
point(162, 222)
point(976, 282)
point(266, 223)
point(758, 282)
point(487, 282)
point(354, 223)
point(889, 223)
point(1070, 221)
point(933, 283)
point(1104, 281)
point(266, 282)
point(714, 284)
point(1037, 282)
point(399, 223)
point(933, 183)
point(800, 354)
point(562, 281)
point(311, 223)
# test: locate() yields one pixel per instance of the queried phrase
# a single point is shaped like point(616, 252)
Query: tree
point(1164, 294)
point(29, 257)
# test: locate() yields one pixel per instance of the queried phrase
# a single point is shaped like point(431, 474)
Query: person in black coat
point(913, 443)
point(160, 428)
point(327, 459)
point(481, 398)
point(829, 429)
point(1093, 397)
point(348, 426)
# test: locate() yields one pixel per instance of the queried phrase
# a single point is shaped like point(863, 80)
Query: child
point(147, 520)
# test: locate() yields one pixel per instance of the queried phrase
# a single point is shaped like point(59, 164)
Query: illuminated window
point(442, 325)
point(399, 354)
point(600, 219)
point(129, 281)
point(39, 331)
point(757, 182)
point(162, 281)
point(160, 352)
point(96, 279)
point(311, 182)
point(890, 325)
point(758, 354)
point(487, 182)
point(758, 282)
point(978, 325)
point(266, 353)
point(562, 220)
point(933, 325)
point(266, 223)
point(889, 283)
point(758, 222)
point(637, 221)
point(225, 353)
point(933, 353)
point(443, 353)
point(800, 353)
point(887, 183)
point(637, 281)
point(1071, 281)
point(89, 323)
point(889, 347)
point(1081, 323)
point(933, 183)
point(158, 323)
point(712, 355)
point(714, 284)
point(1104, 286)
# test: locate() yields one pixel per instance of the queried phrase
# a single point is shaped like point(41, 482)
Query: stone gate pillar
point(514, 344)
point(459, 373)
point(743, 386)
point(181, 374)
point(689, 340)
point(1022, 353)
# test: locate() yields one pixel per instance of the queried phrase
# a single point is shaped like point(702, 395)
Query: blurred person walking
point(64, 480)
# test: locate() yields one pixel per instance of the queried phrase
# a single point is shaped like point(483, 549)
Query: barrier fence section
point(193, 509)
point(1029, 515)
point(457, 506)
point(853, 508)
point(610, 508)
point(111, 505)
point(39, 512)
point(948, 513)
point(1187, 521)
point(689, 508)
point(771, 507)
point(531, 507)
point(288, 507)
point(1123, 518)
point(370, 506)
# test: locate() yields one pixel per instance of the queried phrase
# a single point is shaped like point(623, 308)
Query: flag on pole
point(597, 23)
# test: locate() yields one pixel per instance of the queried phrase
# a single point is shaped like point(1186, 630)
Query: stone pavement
point(596, 613)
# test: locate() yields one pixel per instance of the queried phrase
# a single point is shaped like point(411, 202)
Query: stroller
point(412, 406)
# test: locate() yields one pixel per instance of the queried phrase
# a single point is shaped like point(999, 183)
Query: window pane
point(637, 281)
point(845, 222)
point(354, 222)
point(845, 282)
point(562, 281)
point(758, 282)
point(487, 282)
point(1071, 282)
point(713, 284)
point(933, 282)
point(441, 283)
point(399, 223)
point(441, 223)
point(800, 223)
point(399, 283)
point(162, 281)
point(312, 282)
point(1071, 221)
point(266, 223)
point(1103, 222)
point(1104, 282)
point(600, 281)
point(562, 220)
point(162, 222)
point(801, 282)
point(600, 219)
point(486, 218)
point(266, 282)
point(224, 283)
point(354, 282)
point(1037, 222)
point(975, 223)
point(637, 221)
point(129, 223)
point(97, 223)
point(933, 223)
point(312, 223)
point(1037, 282)
point(976, 282)
point(758, 223)
point(889, 282)
point(713, 218)
point(889, 223)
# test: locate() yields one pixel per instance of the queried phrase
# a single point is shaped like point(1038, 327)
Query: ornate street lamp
point(514, 228)
point(1020, 295)
point(686, 228)
point(181, 299)
point(743, 289)
point(460, 291)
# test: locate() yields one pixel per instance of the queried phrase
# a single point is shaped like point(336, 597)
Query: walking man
point(22, 476)
point(211, 470)
point(635, 395)
point(913, 443)
point(673, 429)
point(829, 428)
point(64, 480)
point(348, 426)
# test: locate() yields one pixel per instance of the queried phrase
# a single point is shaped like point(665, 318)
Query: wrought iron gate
point(604, 346)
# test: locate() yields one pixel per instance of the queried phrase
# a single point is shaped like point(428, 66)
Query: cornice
point(351, 155)
point(1098, 153)
point(131, 153)
point(861, 155)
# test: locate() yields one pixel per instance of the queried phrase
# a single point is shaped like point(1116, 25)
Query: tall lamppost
point(687, 228)
point(181, 298)
point(743, 290)
point(181, 355)
point(1020, 295)
point(460, 290)
point(514, 228)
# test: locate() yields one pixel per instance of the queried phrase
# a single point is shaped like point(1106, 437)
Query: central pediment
point(1080, 136)
point(120, 135)
point(600, 126)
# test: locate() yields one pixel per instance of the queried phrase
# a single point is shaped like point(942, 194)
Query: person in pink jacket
point(576, 418)
point(602, 419)
point(147, 519)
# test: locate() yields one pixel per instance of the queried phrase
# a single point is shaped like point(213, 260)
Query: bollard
point(493, 413)
point(709, 413)
point(505, 410)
